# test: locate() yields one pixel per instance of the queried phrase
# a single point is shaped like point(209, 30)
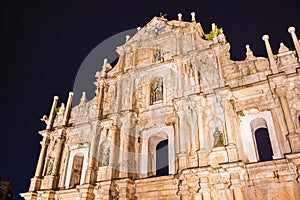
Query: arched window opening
point(162, 158)
point(156, 90)
point(76, 170)
point(263, 143)
point(262, 139)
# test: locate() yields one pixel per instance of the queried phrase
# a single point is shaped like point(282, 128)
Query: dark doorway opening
point(263, 143)
point(162, 158)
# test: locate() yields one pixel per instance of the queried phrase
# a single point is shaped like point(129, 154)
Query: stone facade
point(232, 127)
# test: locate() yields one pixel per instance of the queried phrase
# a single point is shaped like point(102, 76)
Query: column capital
point(280, 91)
point(291, 29)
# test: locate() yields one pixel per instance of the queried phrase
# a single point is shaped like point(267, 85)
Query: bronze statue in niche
point(218, 138)
point(156, 90)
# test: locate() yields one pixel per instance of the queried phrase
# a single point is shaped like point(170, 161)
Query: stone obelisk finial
point(179, 16)
point(52, 113)
point(291, 30)
point(273, 67)
point(193, 16)
point(249, 53)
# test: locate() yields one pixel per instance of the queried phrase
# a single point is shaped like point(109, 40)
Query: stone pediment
point(158, 41)
point(159, 29)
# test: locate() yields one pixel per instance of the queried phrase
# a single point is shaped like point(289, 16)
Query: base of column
point(86, 191)
point(105, 173)
point(202, 157)
point(232, 153)
point(217, 156)
point(35, 184)
point(294, 140)
point(90, 176)
point(193, 160)
point(49, 182)
point(29, 195)
point(181, 158)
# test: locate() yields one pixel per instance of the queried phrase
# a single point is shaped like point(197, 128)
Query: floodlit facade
point(176, 118)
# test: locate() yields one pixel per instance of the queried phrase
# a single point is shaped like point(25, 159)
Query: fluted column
point(60, 144)
point(293, 137)
point(272, 61)
point(291, 30)
point(41, 161)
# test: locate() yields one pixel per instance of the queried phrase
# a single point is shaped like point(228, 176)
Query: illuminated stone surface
point(171, 84)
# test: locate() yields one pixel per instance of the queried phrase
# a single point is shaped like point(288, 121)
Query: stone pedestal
point(196, 88)
point(294, 140)
point(90, 176)
point(217, 156)
point(232, 153)
point(86, 191)
point(181, 158)
point(49, 182)
point(193, 160)
point(48, 194)
point(29, 195)
point(35, 184)
point(202, 157)
point(123, 170)
point(125, 189)
point(105, 173)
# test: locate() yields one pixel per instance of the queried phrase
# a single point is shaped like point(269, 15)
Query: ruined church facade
point(176, 118)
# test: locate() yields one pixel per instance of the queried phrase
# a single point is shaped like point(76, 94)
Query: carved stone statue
point(218, 138)
point(157, 56)
point(105, 153)
point(157, 93)
point(50, 166)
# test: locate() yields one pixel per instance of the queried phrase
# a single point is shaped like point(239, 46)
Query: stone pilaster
point(182, 162)
point(90, 172)
point(292, 136)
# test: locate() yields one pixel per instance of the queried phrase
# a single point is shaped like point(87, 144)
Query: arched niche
point(249, 124)
point(149, 141)
point(76, 155)
point(262, 140)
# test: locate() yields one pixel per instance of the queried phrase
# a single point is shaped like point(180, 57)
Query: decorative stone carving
point(218, 138)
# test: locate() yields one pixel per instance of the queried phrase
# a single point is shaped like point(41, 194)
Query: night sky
point(43, 44)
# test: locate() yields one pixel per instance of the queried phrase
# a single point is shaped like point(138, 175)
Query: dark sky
point(43, 44)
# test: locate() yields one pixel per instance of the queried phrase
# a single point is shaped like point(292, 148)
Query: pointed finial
point(127, 37)
point(179, 16)
point(193, 16)
point(249, 53)
point(213, 26)
point(283, 48)
point(83, 98)
point(62, 108)
point(292, 30)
